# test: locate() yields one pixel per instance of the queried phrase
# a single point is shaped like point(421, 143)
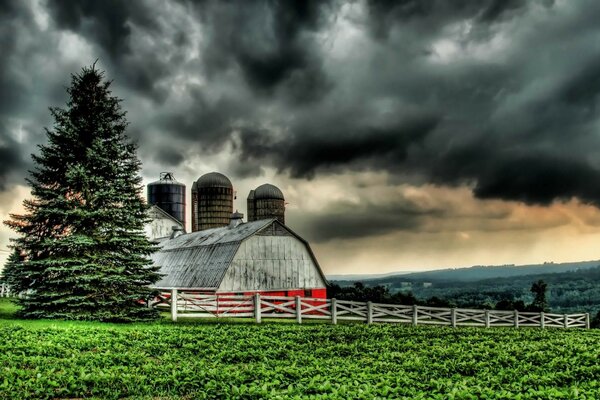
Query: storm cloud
point(499, 97)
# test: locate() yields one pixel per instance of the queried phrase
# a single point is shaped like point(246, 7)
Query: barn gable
point(271, 263)
point(161, 223)
point(261, 254)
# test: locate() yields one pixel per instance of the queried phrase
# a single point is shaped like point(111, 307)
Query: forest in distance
point(575, 290)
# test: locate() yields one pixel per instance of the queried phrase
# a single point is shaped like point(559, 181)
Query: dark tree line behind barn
point(381, 294)
point(82, 237)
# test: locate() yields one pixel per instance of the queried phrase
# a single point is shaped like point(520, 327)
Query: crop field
point(232, 359)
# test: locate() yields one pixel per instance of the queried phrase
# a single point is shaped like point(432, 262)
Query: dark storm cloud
point(10, 158)
point(311, 148)
point(110, 25)
point(12, 15)
point(429, 15)
point(169, 157)
point(14, 18)
point(270, 42)
point(497, 95)
point(346, 220)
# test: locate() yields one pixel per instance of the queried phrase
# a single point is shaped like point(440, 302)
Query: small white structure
point(162, 224)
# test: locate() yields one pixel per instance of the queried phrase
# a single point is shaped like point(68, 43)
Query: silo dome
point(212, 201)
point(266, 201)
point(213, 179)
point(268, 191)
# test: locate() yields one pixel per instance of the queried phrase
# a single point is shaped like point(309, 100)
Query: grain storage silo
point(212, 201)
point(266, 201)
point(169, 195)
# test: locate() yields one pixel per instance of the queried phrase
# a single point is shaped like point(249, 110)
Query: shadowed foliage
point(86, 255)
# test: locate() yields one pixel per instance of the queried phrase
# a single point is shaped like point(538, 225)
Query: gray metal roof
point(213, 179)
point(268, 191)
point(200, 259)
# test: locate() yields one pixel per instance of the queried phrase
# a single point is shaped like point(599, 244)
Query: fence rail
point(188, 304)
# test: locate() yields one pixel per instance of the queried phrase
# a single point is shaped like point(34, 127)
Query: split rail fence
point(195, 305)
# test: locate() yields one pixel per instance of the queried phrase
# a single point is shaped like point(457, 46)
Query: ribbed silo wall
point(269, 208)
point(215, 206)
point(194, 210)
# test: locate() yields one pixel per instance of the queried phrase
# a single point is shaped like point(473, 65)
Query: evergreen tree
point(86, 255)
point(539, 301)
point(10, 272)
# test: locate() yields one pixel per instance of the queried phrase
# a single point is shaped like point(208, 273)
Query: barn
point(161, 224)
point(262, 256)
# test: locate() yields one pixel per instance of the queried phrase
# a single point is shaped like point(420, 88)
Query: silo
point(251, 209)
point(266, 201)
point(212, 201)
point(169, 195)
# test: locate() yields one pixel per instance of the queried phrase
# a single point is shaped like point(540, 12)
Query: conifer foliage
point(10, 272)
point(86, 255)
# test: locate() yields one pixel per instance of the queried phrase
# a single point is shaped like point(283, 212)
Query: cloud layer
point(495, 100)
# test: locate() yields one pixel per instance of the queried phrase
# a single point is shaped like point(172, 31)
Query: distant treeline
point(567, 292)
point(574, 291)
point(381, 294)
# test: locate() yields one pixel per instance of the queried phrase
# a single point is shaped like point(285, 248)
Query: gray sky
point(406, 134)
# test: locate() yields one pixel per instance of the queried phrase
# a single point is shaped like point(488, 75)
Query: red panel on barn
point(319, 293)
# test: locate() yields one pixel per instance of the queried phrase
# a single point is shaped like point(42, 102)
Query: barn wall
point(270, 263)
point(160, 225)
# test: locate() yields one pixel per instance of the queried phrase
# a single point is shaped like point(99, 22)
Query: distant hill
point(362, 277)
point(572, 287)
point(470, 274)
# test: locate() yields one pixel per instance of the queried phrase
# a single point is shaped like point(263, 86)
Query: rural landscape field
point(207, 360)
point(335, 199)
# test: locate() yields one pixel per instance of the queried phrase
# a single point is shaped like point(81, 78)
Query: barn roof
point(212, 249)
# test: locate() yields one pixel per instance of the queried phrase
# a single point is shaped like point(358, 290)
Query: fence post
point(453, 317)
point(369, 312)
point(174, 305)
point(516, 315)
point(542, 322)
point(587, 320)
point(334, 311)
point(415, 315)
point(2, 290)
point(487, 318)
point(565, 321)
point(257, 308)
point(298, 310)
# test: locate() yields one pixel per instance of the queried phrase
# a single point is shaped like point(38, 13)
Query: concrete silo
point(212, 201)
point(266, 201)
point(169, 195)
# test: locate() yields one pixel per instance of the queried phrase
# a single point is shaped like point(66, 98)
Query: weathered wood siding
point(271, 263)
point(160, 226)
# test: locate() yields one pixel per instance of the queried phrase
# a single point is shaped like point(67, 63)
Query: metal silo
point(266, 201)
point(169, 195)
point(212, 201)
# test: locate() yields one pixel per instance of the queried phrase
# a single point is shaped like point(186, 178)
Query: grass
point(208, 359)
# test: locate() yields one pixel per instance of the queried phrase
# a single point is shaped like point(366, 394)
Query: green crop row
point(49, 360)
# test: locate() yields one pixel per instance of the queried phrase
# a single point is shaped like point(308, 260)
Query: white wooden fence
point(195, 305)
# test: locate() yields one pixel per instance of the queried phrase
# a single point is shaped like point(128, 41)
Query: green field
point(54, 359)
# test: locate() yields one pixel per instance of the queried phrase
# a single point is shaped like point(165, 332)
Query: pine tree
point(86, 255)
point(10, 272)
point(539, 301)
